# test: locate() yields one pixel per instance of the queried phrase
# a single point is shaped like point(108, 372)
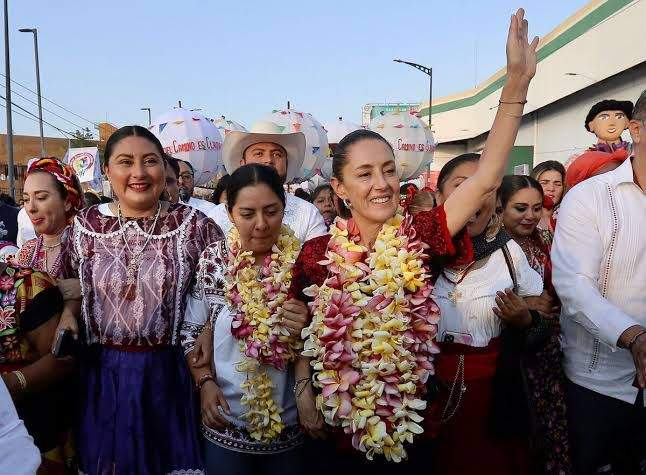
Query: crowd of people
point(496, 324)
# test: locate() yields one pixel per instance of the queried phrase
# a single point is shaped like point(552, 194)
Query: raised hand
point(521, 55)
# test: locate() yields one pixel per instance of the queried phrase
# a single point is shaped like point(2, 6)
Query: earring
point(347, 204)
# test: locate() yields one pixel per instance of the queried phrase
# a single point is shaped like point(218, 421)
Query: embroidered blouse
point(33, 255)
point(27, 300)
point(207, 302)
point(466, 305)
point(96, 253)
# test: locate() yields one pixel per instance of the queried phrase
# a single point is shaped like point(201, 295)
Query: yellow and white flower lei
point(258, 326)
point(371, 337)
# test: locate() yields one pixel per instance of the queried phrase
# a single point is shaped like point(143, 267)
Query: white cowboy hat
point(236, 142)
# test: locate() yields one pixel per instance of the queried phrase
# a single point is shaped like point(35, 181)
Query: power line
point(45, 109)
point(52, 102)
point(35, 118)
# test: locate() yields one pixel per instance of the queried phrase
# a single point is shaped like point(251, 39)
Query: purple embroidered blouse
point(96, 253)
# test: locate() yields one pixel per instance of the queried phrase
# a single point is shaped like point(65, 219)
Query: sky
point(104, 60)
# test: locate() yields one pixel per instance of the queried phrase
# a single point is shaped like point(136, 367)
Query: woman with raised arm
point(373, 319)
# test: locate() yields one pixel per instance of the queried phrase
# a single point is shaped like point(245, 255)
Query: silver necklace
point(132, 270)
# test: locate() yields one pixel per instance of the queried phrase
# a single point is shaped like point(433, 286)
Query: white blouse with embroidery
point(206, 302)
point(466, 308)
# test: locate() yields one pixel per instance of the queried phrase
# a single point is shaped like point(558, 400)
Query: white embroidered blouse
point(466, 308)
point(205, 302)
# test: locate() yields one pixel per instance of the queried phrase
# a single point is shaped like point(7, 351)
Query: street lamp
point(7, 75)
point(40, 105)
point(149, 117)
point(429, 72)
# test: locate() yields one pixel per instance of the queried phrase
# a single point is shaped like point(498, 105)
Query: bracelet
point(512, 115)
point(298, 390)
point(634, 339)
point(202, 381)
point(21, 379)
point(522, 103)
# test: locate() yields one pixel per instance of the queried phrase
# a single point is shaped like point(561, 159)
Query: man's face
point(267, 153)
point(186, 179)
point(171, 185)
point(609, 125)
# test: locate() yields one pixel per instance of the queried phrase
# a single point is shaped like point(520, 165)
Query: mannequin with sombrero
point(265, 144)
point(607, 120)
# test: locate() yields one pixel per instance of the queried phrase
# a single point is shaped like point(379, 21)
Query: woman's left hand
point(295, 317)
point(70, 289)
point(512, 309)
point(521, 54)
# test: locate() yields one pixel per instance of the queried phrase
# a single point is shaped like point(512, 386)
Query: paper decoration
point(316, 144)
point(411, 139)
point(191, 137)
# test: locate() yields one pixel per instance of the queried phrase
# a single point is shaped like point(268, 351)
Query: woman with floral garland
point(250, 411)
point(373, 317)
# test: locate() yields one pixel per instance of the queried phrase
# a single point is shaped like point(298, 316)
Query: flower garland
point(371, 337)
point(258, 325)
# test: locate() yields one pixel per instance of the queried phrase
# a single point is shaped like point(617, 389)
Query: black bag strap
point(510, 266)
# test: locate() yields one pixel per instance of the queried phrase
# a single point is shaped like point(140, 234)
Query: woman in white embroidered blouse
point(241, 290)
point(476, 303)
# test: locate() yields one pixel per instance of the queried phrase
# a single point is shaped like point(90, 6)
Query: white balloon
point(225, 126)
point(411, 139)
point(316, 144)
point(338, 129)
point(191, 137)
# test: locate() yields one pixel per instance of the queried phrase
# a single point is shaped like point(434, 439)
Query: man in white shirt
point(599, 260)
point(266, 145)
point(187, 185)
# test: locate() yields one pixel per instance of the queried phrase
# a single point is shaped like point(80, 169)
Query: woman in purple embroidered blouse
point(135, 259)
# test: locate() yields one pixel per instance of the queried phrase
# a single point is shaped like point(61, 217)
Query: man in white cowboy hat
point(266, 145)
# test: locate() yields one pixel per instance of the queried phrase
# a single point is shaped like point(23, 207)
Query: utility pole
point(7, 69)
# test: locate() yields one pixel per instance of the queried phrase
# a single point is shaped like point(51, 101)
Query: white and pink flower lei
point(258, 325)
point(371, 337)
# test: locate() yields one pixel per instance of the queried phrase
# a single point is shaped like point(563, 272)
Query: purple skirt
point(137, 413)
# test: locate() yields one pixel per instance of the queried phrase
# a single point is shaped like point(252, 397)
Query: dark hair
point(319, 189)
point(547, 166)
point(340, 157)
point(8, 200)
point(250, 175)
point(91, 199)
point(131, 131)
point(608, 105)
point(302, 194)
point(511, 184)
point(404, 188)
point(450, 166)
point(639, 111)
point(187, 164)
point(172, 164)
point(220, 188)
point(106, 199)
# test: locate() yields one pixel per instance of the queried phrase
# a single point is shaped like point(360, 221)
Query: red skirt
point(464, 442)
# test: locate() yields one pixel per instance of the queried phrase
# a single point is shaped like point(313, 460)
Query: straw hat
point(236, 142)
